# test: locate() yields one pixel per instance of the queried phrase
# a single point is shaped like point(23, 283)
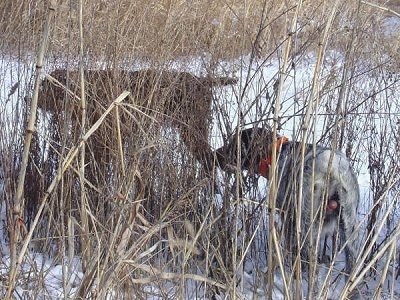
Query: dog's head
point(255, 144)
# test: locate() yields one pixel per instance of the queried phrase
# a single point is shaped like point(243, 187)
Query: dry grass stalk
point(84, 204)
point(17, 208)
point(274, 180)
point(385, 9)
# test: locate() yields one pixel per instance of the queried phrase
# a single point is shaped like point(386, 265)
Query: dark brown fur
point(180, 98)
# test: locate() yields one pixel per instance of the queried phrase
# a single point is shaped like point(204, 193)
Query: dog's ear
point(261, 141)
point(255, 144)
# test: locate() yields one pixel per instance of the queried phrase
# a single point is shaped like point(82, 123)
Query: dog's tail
point(349, 196)
point(349, 192)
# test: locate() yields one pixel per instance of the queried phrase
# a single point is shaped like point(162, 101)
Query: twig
point(385, 9)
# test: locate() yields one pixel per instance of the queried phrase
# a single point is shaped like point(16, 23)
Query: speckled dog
point(330, 191)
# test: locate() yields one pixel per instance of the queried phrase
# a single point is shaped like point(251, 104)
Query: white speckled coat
point(326, 175)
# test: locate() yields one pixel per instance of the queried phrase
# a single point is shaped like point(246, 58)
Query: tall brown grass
point(150, 222)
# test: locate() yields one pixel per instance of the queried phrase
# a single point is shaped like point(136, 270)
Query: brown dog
point(179, 98)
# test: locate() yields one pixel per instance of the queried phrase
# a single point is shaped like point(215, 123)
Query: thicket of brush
point(148, 218)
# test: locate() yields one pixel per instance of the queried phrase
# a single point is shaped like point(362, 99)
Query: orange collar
point(266, 163)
